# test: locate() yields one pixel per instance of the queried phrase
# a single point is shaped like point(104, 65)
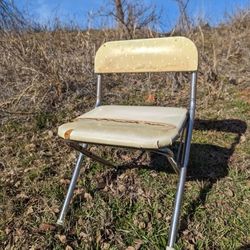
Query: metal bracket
point(170, 157)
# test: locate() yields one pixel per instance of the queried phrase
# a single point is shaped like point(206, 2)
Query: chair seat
point(127, 126)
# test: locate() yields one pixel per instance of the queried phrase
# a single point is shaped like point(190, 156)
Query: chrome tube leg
point(178, 199)
point(177, 208)
point(184, 165)
point(71, 188)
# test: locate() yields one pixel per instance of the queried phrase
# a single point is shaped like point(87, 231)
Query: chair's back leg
point(98, 91)
point(184, 165)
point(179, 195)
point(71, 188)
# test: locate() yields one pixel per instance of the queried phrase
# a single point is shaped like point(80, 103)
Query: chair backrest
point(170, 54)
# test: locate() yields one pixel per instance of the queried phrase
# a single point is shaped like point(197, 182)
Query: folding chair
point(147, 128)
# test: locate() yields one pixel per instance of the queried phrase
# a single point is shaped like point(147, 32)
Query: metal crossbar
point(165, 152)
point(86, 152)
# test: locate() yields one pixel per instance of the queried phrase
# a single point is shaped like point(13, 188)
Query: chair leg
point(179, 194)
point(70, 192)
point(177, 208)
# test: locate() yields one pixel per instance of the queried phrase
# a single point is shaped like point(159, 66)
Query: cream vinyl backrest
point(170, 54)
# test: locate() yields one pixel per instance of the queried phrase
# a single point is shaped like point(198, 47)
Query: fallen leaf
point(64, 181)
point(88, 196)
point(30, 147)
point(105, 246)
point(68, 247)
point(158, 215)
point(130, 248)
point(229, 192)
point(56, 210)
point(17, 184)
point(248, 183)
point(138, 244)
point(30, 210)
point(121, 188)
point(50, 134)
point(19, 232)
point(191, 247)
point(142, 225)
point(22, 196)
point(78, 191)
point(62, 238)
point(83, 235)
point(150, 98)
point(98, 237)
point(80, 222)
point(45, 227)
point(243, 139)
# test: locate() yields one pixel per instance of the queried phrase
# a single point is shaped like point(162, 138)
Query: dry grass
point(47, 78)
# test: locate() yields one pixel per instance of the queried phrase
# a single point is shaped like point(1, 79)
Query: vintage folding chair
point(140, 127)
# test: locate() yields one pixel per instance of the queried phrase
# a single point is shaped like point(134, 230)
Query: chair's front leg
point(71, 188)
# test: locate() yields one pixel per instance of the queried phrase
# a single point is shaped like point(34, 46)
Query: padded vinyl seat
point(127, 126)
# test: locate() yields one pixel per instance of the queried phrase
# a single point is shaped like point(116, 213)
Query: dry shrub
point(223, 55)
point(38, 68)
point(48, 70)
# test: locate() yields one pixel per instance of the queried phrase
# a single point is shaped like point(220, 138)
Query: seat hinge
point(170, 157)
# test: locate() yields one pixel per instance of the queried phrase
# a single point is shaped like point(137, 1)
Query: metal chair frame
point(179, 163)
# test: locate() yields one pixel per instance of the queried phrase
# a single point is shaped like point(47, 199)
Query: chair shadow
point(246, 247)
point(208, 163)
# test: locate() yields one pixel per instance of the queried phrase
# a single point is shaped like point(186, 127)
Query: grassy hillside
point(47, 79)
